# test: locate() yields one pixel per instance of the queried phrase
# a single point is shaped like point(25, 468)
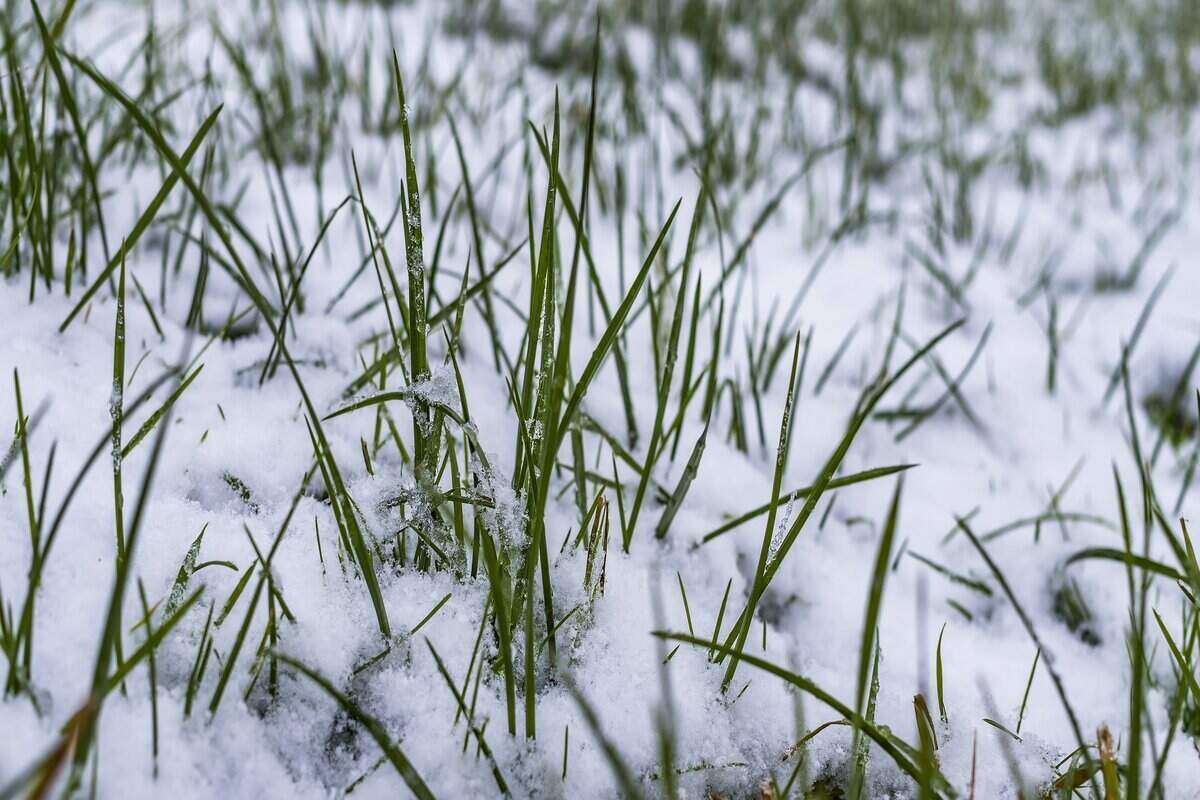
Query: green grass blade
point(408, 773)
point(147, 217)
point(883, 556)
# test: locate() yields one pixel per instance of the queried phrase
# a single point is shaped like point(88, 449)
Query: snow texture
point(1023, 451)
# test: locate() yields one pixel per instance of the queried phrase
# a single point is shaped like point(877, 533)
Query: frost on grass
point(438, 389)
point(505, 515)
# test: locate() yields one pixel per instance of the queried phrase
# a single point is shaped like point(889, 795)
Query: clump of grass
point(1174, 419)
point(1070, 607)
point(1170, 409)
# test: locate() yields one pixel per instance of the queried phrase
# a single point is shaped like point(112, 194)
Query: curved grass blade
point(887, 741)
point(1125, 557)
point(408, 773)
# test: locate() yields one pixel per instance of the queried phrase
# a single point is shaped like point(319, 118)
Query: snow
point(1011, 466)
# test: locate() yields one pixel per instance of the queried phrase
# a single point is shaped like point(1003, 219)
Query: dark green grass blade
point(348, 519)
point(1127, 558)
point(1055, 677)
point(804, 491)
point(158, 413)
point(408, 773)
point(1187, 675)
point(611, 333)
point(861, 414)
point(68, 100)
point(625, 779)
point(941, 694)
point(690, 470)
point(152, 641)
point(666, 375)
point(883, 557)
point(146, 218)
point(475, 729)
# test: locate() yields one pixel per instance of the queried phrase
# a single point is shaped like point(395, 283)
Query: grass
point(610, 385)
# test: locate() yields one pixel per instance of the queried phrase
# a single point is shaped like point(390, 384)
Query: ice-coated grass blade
point(186, 570)
point(116, 402)
point(769, 539)
point(415, 262)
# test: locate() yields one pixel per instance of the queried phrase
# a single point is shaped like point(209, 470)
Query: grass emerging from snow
point(588, 400)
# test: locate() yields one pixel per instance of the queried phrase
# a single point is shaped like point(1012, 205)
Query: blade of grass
point(408, 773)
point(883, 556)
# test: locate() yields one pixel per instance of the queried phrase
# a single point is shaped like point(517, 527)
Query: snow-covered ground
point(1002, 441)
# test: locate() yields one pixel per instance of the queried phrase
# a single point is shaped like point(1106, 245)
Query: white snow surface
point(1009, 466)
